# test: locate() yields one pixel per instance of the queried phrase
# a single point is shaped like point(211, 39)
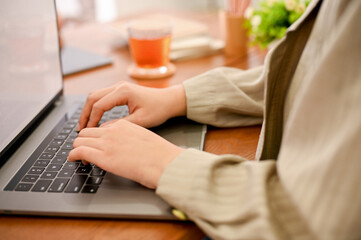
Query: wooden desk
point(97, 38)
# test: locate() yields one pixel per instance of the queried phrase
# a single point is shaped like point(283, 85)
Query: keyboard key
point(61, 137)
point(94, 180)
point(46, 156)
point(23, 187)
point(70, 140)
point(66, 173)
point(67, 146)
point(30, 178)
point(73, 120)
point(41, 186)
point(98, 172)
point(54, 167)
point(73, 135)
point(70, 125)
point(58, 185)
point(112, 117)
point(84, 169)
point(65, 131)
point(59, 159)
point(76, 184)
point(63, 152)
point(48, 175)
point(71, 165)
point(41, 163)
point(77, 114)
point(56, 143)
point(118, 113)
point(51, 149)
point(90, 189)
point(36, 170)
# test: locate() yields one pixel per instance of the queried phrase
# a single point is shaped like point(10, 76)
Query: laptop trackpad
point(112, 181)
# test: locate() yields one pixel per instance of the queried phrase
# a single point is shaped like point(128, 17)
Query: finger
point(85, 153)
point(92, 98)
point(91, 132)
point(104, 104)
point(137, 119)
point(88, 142)
point(109, 123)
point(132, 118)
point(84, 162)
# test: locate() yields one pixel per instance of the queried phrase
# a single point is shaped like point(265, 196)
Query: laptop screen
point(30, 71)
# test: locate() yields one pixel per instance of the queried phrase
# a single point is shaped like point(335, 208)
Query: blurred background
point(109, 10)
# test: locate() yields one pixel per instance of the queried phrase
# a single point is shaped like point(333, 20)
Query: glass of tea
point(149, 41)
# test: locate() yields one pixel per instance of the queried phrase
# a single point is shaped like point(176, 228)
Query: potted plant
point(270, 20)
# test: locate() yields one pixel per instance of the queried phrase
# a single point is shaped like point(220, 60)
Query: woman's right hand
point(148, 107)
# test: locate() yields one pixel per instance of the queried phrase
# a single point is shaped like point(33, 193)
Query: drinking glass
point(149, 41)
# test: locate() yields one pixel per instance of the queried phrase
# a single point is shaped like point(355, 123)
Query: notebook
point(37, 130)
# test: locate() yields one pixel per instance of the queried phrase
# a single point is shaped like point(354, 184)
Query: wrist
point(177, 101)
point(152, 171)
point(170, 156)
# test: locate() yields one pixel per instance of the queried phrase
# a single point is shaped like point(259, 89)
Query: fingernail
point(77, 128)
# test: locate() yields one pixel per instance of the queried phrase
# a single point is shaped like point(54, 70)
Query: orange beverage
point(150, 52)
point(149, 41)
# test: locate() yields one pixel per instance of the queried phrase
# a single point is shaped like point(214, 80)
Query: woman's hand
point(125, 149)
point(148, 107)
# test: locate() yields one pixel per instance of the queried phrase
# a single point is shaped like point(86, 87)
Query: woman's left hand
point(127, 150)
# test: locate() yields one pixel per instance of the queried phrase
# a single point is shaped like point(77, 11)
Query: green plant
point(271, 19)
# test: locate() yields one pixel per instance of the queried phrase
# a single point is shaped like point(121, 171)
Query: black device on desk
point(75, 60)
point(37, 130)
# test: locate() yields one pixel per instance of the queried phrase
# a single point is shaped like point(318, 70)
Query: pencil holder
point(233, 33)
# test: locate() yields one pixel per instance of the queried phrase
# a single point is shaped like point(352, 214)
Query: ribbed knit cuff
point(200, 95)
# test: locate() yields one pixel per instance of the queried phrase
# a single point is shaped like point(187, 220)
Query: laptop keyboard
point(47, 170)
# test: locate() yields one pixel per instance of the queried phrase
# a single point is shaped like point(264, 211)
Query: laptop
point(37, 130)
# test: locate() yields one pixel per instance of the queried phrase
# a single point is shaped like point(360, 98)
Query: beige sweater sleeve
point(227, 196)
point(230, 97)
